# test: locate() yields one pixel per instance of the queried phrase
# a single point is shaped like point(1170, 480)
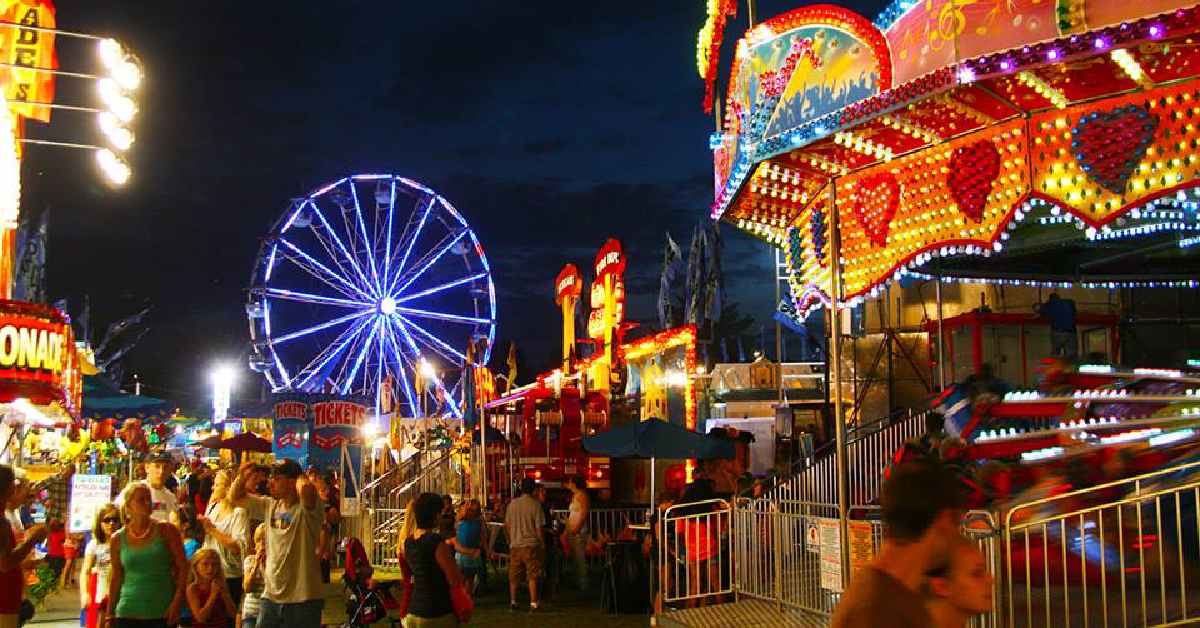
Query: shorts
point(445, 621)
point(296, 615)
point(526, 563)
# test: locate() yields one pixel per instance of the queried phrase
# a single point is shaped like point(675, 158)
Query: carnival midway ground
point(568, 609)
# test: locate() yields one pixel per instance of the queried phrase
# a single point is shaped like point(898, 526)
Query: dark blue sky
point(550, 125)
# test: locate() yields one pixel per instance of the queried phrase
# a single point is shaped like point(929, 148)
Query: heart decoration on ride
point(973, 170)
point(817, 227)
point(795, 250)
point(1109, 145)
point(874, 204)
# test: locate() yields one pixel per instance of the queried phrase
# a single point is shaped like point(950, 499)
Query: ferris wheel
point(372, 285)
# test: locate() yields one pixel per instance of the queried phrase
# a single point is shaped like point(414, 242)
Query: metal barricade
point(383, 503)
point(1117, 554)
point(695, 554)
point(773, 559)
point(867, 455)
point(604, 524)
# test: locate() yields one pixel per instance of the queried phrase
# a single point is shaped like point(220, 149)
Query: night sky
point(550, 125)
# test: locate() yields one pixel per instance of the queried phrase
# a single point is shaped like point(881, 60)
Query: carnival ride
point(1017, 146)
point(373, 284)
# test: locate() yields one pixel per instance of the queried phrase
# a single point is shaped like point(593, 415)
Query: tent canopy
point(657, 439)
point(103, 400)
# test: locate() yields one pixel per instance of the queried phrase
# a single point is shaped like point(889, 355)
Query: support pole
point(778, 326)
point(941, 346)
point(835, 358)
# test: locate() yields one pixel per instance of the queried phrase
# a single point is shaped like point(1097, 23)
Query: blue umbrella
point(657, 439)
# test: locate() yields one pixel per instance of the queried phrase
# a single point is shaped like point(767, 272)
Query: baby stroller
point(367, 601)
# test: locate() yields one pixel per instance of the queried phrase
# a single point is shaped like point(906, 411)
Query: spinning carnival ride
point(372, 285)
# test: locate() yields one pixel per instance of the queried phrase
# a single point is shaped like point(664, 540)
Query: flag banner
point(29, 48)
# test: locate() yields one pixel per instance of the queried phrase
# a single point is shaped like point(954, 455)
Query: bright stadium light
point(118, 136)
point(222, 383)
point(110, 52)
point(128, 75)
point(121, 105)
point(116, 171)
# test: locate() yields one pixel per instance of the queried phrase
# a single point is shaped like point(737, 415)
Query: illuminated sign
point(610, 261)
point(338, 414)
point(37, 356)
point(569, 284)
point(291, 410)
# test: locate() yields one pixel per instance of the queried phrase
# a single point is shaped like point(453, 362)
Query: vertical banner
point(336, 423)
point(290, 431)
point(89, 493)
point(23, 44)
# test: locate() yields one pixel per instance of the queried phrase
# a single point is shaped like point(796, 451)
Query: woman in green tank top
point(146, 557)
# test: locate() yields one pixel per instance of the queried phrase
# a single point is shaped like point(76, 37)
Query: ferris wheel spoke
point(367, 243)
point(442, 316)
point(342, 247)
point(338, 374)
point(410, 239)
point(321, 271)
point(362, 356)
point(438, 344)
point(305, 297)
point(430, 259)
point(318, 364)
point(445, 286)
point(315, 328)
point(437, 381)
point(387, 239)
point(400, 370)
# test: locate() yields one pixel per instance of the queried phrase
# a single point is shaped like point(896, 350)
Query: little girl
point(208, 595)
point(253, 565)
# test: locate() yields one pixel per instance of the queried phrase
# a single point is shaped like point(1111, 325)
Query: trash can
point(626, 586)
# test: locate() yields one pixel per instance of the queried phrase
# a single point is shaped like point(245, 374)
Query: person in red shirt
point(56, 551)
point(12, 555)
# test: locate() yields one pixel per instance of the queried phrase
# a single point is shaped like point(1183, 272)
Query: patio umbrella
point(247, 441)
point(657, 439)
point(212, 442)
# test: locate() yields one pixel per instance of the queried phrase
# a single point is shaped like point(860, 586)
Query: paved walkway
point(567, 610)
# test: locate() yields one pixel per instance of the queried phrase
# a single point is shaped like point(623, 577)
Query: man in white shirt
point(164, 504)
point(293, 595)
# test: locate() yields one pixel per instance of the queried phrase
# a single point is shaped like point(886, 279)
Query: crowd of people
point(245, 546)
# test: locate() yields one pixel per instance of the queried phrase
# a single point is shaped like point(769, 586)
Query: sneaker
point(533, 608)
point(512, 606)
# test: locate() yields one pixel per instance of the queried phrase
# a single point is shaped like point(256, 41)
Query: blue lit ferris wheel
point(372, 285)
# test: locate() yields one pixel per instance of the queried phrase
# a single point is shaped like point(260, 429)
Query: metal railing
point(695, 558)
point(867, 455)
point(605, 523)
point(383, 502)
point(774, 561)
point(1117, 554)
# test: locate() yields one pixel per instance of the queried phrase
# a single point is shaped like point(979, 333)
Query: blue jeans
point(298, 615)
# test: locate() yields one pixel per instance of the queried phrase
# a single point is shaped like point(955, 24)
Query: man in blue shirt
point(1061, 313)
